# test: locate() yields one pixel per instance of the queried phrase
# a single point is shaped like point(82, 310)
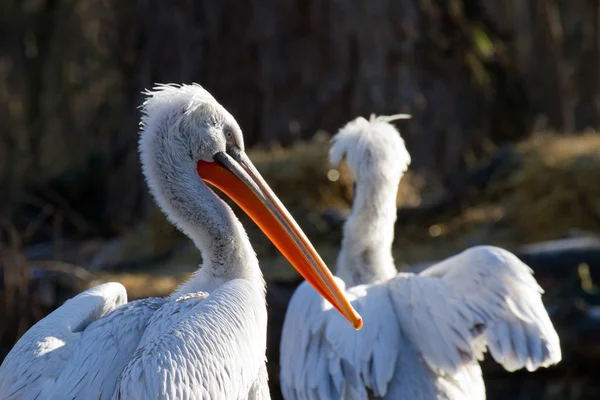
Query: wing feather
point(216, 349)
point(34, 364)
point(104, 349)
point(197, 345)
point(482, 291)
point(322, 356)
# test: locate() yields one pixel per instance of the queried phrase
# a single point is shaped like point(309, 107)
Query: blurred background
point(505, 98)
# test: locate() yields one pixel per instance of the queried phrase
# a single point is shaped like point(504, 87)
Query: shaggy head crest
point(186, 118)
point(371, 146)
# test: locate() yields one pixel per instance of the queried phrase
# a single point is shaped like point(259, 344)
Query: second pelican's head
point(373, 148)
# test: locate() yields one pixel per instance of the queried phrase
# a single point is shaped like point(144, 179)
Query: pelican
point(424, 333)
point(208, 339)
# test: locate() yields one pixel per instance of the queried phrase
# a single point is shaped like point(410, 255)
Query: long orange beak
point(239, 180)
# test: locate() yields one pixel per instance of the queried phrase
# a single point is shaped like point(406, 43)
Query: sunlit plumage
point(207, 340)
point(424, 334)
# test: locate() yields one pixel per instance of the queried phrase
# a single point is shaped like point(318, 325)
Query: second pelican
point(424, 334)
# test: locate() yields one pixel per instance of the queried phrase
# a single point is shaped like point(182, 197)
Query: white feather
point(423, 335)
point(208, 339)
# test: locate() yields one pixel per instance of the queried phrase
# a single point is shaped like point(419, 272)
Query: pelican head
point(373, 148)
point(188, 135)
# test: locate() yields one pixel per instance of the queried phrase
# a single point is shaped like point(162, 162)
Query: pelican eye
point(229, 134)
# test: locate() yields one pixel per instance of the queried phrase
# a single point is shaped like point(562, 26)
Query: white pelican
point(424, 334)
point(207, 340)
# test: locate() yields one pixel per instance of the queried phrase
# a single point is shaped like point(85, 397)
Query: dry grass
point(556, 189)
point(142, 285)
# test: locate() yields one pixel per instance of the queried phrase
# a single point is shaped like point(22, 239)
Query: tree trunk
point(559, 111)
point(596, 54)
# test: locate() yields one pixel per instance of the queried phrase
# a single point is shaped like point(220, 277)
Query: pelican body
point(424, 333)
point(207, 340)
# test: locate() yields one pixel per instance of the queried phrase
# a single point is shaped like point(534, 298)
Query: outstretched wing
point(32, 367)
point(324, 357)
point(104, 349)
point(484, 296)
point(216, 349)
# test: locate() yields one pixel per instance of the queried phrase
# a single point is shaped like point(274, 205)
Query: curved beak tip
point(358, 322)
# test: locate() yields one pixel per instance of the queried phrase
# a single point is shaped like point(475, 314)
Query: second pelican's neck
point(205, 218)
point(366, 254)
